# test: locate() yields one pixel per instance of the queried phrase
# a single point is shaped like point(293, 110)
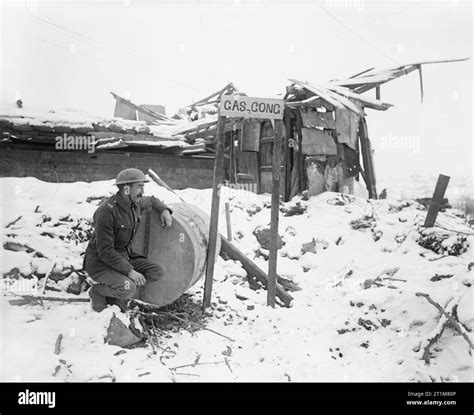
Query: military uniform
point(109, 256)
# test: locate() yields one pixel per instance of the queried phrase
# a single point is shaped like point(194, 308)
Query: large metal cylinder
point(181, 249)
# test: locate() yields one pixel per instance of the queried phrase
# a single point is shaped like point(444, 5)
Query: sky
point(71, 54)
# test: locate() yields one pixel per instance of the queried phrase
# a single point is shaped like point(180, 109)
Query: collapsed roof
point(342, 92)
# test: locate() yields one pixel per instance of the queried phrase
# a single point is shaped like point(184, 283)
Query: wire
point(356, 34)
point(93, 43)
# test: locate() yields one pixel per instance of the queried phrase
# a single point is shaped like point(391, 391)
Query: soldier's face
point(137, 190)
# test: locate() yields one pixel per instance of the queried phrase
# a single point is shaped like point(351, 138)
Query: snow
point(168, 131)
point(355, 318)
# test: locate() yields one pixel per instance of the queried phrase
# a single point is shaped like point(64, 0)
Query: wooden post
point(214, 221)
point(229, 224)
point(287, 154)
point(300, 156)
point(231, 156)
point(377, 92)
point(437, 200)
point(367, 158)
point(275, 209)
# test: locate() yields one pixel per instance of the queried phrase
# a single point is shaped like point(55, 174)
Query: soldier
point(109, 258)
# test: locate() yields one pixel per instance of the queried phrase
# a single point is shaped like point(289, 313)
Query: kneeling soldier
point(109, 258)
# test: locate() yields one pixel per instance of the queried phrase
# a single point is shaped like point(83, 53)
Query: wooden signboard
point(246, 107)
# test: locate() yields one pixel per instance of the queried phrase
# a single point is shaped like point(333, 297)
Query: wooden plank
point(134, 137)
point(74, 166)
point(152, 114)
point(346, 127)
point(436, 201)
point(275, 209)
point(228, 222)
point(250, 135)
point(253, 270)
point(333, 98)
point(318, 119)
point(218, 93)
point(299, 156)
point(317, 142)
point(367, 101)
point(214, 222)
point(366, 150)
point(318, 91)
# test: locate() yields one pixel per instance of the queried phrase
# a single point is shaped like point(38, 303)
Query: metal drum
point(180, 249)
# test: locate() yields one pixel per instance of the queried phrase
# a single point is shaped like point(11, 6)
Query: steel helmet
point(130, 176)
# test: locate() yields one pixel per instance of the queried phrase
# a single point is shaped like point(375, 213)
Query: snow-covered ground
point(356, 317)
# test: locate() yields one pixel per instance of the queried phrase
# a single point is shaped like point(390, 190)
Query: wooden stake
point(229, 224)
point(47, 277)
point(214, 221)
point(253, 270)
point(436, 201)
point(276, 171)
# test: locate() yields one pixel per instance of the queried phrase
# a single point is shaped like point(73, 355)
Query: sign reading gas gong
point(248, 107)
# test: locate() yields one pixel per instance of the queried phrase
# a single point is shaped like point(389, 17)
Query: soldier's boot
point(98, 302)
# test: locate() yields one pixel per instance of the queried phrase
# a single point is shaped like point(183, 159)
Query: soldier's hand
point(136, 277)
point(166, 219)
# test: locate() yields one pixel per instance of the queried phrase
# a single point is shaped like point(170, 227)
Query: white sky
point(72, 53)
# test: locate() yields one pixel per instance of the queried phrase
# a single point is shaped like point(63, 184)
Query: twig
point(439, 330)
point(13, 222)
point(202, 327)
point(197, 364)
point(228, 365)
point(188, 374)
point(394, 279)
point(451, 319)
point(57, 346)
point(184, 321)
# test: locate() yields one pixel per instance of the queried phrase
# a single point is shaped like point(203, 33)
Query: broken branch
point(451, 319)
point(197, 364)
